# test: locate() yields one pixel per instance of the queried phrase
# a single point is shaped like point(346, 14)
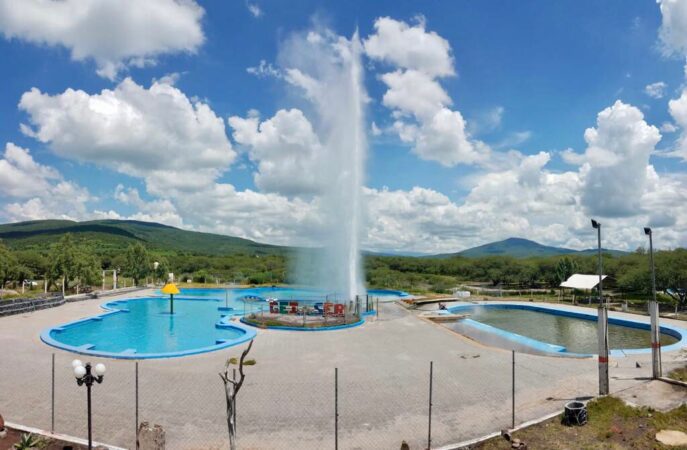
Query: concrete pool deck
point(288, 397)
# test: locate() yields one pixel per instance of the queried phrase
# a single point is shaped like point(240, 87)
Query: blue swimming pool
point(547, 329)
point(140, 328)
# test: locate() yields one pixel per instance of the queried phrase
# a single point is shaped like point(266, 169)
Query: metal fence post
point(336, 408)
point(378, 307)
point(429, 428)
point(513, 394)
point(235, 426)
point(52, 394)
point(136, 412)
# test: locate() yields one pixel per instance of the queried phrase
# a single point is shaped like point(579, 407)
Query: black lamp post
point(602, 321)
point(83, 376)
point(653, 312)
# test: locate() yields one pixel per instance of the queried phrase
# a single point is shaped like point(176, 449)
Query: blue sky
point(528, 77)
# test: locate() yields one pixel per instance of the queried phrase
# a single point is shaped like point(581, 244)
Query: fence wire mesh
point(282, 407)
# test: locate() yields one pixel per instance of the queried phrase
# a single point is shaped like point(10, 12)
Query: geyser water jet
point(328, 68)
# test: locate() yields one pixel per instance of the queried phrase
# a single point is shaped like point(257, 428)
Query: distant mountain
point(520, 248)
point(115, 234)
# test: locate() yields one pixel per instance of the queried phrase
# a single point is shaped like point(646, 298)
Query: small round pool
point(555, 330)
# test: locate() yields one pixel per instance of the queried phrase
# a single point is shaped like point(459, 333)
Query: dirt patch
point(612, 424)
point(14, 436)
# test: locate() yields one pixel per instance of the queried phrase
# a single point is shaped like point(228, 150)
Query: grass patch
point(678, 374)
point(612, 424)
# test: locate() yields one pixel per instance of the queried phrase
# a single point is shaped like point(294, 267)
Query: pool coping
point(223, 322)
point(288, 328)
point(671, 330)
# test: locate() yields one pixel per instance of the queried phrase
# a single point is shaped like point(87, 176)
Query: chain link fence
point(428, 404)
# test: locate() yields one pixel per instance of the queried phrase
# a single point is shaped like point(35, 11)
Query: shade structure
point(579, 281)
point(170, 289)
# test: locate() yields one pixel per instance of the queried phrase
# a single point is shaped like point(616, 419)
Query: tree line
point(78, 263)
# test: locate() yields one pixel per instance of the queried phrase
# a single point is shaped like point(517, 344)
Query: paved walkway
point(288, 398)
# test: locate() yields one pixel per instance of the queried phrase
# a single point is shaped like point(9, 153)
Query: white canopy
point(579, 281)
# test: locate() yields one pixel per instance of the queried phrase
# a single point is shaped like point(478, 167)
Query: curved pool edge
point(287, 328)
point(248, 334)
point(540, 346)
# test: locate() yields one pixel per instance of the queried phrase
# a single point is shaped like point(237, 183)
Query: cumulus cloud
point(157, 133)
point(673, 31)
point(113, 33)
point(35, 191)
point(21, 176)
point(417, 100)
point(412, 47)
point(414, 93)
point(655, 90)
point(286, 150)
point(616, 160)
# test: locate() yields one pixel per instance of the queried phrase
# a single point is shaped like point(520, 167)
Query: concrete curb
point(62, 437)
point(467, 444)
point(671, 381)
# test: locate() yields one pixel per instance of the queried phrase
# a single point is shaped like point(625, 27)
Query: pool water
point(144, 326)
point(577, 335)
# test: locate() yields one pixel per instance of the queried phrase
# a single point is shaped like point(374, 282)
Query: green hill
point(118, 234)
point(521, 248)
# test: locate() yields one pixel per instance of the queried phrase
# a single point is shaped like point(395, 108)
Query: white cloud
point(410, 47)
point(656, 90)
point(254, 9)
point(418, 102)
point(286, 149)
point(34, 191)
point(264, 69)
point(444, 139)
point(113, 33)
point(514, 139)
point(487, 121)
point(673, 31)
point(615, 161)
point(668, 127)
point(678, 110)
point(160, 210)
point(157, 134)
point(21, 176)
point(413, 92)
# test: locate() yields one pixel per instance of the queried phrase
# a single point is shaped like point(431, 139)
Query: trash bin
point(575, 413)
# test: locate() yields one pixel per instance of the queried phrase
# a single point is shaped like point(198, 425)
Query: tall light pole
point(602, 324)
point(653, 312)
point(84, 376)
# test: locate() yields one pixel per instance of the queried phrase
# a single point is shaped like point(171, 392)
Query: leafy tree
point(88, 268)
point(565, 268)
point(8, 265)
point(201, 276)
point(138, 264)
point(163, 267)
point(63, 257)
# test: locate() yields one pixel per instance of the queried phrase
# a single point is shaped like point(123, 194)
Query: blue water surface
point(144, 328)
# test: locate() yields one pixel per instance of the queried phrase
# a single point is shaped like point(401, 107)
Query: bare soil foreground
point(612, 424)
point(289, 398)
